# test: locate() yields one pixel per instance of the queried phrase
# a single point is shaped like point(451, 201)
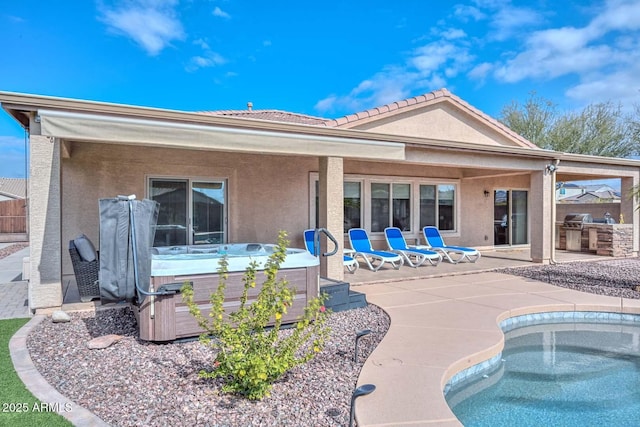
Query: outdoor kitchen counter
point(602, 239)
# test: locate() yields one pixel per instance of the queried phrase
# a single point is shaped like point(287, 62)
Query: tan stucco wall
point(439, 121)
point(265, 193)
point(476, 213)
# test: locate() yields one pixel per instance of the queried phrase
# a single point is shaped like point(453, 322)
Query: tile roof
point(427, 98)
point(271, 115)
point(13, 187)
point(393, 108)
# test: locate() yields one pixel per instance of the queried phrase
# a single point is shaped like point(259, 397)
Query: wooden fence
point(13, 216)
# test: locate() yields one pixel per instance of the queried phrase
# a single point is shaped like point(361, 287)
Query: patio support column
point(542, 196)
point(331, 199)
point(45, 270)
point(629, 209)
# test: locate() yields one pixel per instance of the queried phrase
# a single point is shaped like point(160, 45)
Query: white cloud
point(583, 52)
point(427, 67)
point(453, 33)
point(603, 56)
point(16, 19)
point(202, 43)
point(618, 15)
point(480, 71)
point(621, 84)
point(220, 13)
point(152, 24)
point(507, 21)
point(206, 60)
point(466, 13)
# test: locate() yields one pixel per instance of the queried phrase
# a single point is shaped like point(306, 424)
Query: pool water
point(557, 374)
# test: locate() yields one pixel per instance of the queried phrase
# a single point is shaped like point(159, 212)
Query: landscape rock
point(60, 316)
point(104, 341)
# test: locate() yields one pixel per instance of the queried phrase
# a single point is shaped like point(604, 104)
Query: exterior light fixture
point(552, 167)
point(359, 335)
point(486, 193)
point(363, 390)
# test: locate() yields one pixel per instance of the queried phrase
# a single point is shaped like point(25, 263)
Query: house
point(427, 160)
point(13, 210)
point(571, 192)
point(13, 189)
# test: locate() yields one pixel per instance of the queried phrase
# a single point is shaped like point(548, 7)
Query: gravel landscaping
point(617, 277)
point(135, 383)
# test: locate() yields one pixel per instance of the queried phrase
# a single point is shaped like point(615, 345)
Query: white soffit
point(99, 128)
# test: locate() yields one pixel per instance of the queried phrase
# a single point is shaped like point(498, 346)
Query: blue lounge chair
point(460, 253)
point(349, 262)
point(397, 244)
point(362, 248)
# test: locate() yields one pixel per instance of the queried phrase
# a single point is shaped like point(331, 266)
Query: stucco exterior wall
point(476, 213)
point(265, 193)
point(438, 121)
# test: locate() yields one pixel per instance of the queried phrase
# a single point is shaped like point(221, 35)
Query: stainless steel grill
point(576, 221)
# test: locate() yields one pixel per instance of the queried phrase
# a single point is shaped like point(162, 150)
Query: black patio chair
point(86, 274)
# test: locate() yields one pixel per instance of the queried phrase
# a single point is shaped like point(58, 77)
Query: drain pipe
point(552, 168)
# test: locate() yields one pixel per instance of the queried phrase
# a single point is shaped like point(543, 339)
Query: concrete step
point(340, 296)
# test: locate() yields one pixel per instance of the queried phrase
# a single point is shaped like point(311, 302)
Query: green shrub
point(251, 355)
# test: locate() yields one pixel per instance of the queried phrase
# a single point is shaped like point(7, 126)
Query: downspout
point(552, 168)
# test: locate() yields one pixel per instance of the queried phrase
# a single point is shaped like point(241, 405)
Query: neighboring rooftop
point(607, 196)
point(271, 115)
point(15, 188)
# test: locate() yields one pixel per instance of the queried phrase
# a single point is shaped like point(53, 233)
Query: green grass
point(14, 396)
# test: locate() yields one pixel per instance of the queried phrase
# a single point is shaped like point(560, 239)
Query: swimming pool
point(563, 369)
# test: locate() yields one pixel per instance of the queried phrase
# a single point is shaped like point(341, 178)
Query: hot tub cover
point(117, 236)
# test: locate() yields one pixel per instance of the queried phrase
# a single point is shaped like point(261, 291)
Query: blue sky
point(326, 59)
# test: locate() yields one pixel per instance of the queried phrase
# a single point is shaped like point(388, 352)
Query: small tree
point(250, 355)
point(600, 129)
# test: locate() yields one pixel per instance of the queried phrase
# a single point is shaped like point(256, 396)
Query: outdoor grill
point(576, 221)
point(573, 225)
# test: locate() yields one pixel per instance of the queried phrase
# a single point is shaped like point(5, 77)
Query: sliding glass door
point(510, 217)
point(191, 212)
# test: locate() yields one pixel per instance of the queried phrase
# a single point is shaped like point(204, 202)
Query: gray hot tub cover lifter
point(117, 275)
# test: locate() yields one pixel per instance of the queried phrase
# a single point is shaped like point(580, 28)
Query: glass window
point(172, 215)
point(190, 212)
point(427, 205)
point(379, 206)
point(446, 208)
point(352, 205)
point(208, 212)
point(402, 206)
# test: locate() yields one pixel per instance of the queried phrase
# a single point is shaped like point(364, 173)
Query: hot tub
point(166, 317)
